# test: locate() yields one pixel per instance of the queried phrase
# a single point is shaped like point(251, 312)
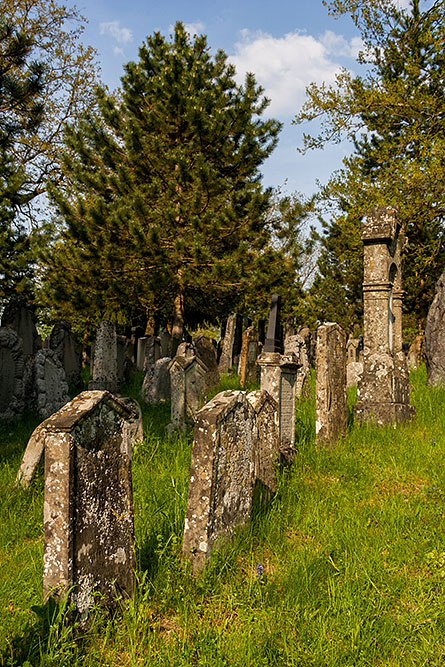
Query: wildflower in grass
point(259, 571)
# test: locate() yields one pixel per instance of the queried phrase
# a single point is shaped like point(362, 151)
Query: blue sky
point(286, 44)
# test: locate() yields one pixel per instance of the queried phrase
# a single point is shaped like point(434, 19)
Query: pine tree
point(395, 118)
point(166, 213)
point(20, 114)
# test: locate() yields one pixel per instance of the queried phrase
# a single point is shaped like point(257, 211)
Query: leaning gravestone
point(156, 384)
point(206, 351)
point(435, 336)
point(104, 373)
point(12, 369)
point(64, 344)
point(46, 389)
point(227, 459)
point(330, 387)
point(88, 504)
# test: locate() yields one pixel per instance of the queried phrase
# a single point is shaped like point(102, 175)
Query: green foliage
point(165, 213)
point(393, 115)
point(350, 549)
point(20, 114)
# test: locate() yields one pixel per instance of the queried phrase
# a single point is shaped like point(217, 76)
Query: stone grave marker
point(20, 317)
point(248, 357)
point(435, 336)
point(156, 385)
point(88, 503)
point(68, 351)
point(187, 386)
point(104, 374)
point(279, 379)
point(46, 388)
point(296, 345)
point(12, 369)
point(226, 358)
point(226, 461)
point(206, 351)
point(330, 386)
point(273, 336)
point(383, 389)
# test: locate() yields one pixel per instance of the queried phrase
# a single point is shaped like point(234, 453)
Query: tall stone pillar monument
point(383, 390)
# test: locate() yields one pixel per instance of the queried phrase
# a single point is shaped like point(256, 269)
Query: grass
point(351, 549)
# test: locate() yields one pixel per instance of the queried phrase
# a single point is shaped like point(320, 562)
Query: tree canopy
point(165, 213)
point(394, 115)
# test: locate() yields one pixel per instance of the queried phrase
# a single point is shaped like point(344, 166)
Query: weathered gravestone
point(152, 353)
point(12, 369)
point(156, 384)
point(104, 373)
point(279, 379)
point(383, 389)
point(68, 351)
point(206, 351)
point(416, 352)
point(187, 386)
point(46, 389)
point(435, 336)
point(330, 386)
point(88, 504)
point(296, 345)
point(226, 358)
point(354, 370)
point(235, 443)
point(354, 350)
point(248, 357)
point(20, 317)
point(273, 336)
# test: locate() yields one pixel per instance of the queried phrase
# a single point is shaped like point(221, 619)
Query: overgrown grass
point(351, 549)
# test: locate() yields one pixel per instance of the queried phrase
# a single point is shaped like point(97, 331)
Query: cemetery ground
point(344, 566)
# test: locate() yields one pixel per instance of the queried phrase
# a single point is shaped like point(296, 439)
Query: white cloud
point(196, 28)
point(121, 35)
point(118, 51)
point(285, 66)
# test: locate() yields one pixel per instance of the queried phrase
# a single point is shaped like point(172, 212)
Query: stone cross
point(383, 389)
point(330, 387)
point(88, 504)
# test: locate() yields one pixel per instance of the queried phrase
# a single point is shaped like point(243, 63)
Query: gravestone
point(104, 374)
point(187, 385)
point(46, 389)
point(416, 352)
point(354, 350)
point(330, 386)
point(273, 336)
point(206, 350)
point(237, 339)
point(383, 389)
point(62, 341)
point(226, 358)
point(354, 370)
point(88, 503)
point(152, 353)
point(156, 384)
point(20, 317)
point(226, 461)
point(166, 343)
point(140, 352)
point(248, 357)
point(296, 345)
point(435, 336)
point(310, 341)
point(279, 379)
point(12, 369)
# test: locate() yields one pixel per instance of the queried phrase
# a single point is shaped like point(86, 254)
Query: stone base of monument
point(383, 390)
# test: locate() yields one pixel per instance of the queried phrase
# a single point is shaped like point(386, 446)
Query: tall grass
point(344, 566)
